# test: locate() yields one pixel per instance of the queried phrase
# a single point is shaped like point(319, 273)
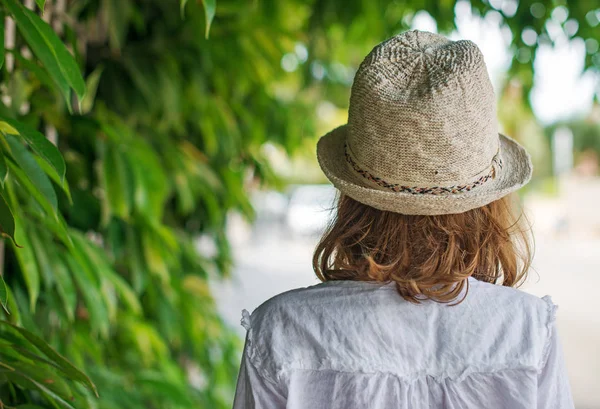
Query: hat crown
point(423, 112)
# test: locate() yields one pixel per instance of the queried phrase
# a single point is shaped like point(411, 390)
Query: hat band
point(434, 190)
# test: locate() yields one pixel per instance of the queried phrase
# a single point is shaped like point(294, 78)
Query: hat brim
point(516, 172)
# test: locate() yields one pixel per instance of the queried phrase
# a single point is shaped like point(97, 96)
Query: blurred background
point(158, 174)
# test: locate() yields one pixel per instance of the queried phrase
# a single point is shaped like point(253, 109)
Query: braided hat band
point(489, 173)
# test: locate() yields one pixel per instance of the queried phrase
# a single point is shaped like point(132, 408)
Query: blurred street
point(273, 257)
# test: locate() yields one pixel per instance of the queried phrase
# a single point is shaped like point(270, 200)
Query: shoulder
point(522, 321)
point(509, 299)
point(337, 297)
point(285, 303)
point(274, 323)
point(510, 307)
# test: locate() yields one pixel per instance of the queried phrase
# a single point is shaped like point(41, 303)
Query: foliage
point(344, 31)
point(108, 178)
point(103, 264)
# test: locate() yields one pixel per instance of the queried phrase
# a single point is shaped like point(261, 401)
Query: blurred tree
point(586, 138)
point(152, 150)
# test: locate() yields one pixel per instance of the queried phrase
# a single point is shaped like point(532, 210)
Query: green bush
point(127, 130)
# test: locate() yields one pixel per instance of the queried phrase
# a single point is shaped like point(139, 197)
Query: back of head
point(425, 177)
point(428, 257)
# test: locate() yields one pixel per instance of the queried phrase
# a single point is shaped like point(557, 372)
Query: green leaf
point(38, 44)
point(1, 38)
point(105, 271)
point(41, 4)
point(117, 182)
point(92, 87)
point(24, 181)
point(151, 187)
point(50, 172)
point(7, 129)
point(7, 220)
point(135, 258)
point(64, 285)
point(62, 363)
point(182, 7)
point(22, 352)
point(125, 292)
point(40, 244)
point(36, 69)
point(27, 262)
point(3, 295)
point(100, 268)
point(154, 256)
point(18, 89)
point(185, 197)
point(150, 344)
point(90, 287)
point(56, 225)
point(29, 383)
point(12, 306)
point(47, 376)
point(3, 170)
point(209, 13)
point(38, 142)
point(82, 256)
point(32, 170)
point(159, 246)
point(66, 61)
point(49, 49)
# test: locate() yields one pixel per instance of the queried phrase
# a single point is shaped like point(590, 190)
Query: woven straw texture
point(422, 134)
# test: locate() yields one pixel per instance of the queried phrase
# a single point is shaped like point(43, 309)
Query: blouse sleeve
point(255, 389)
point(554, 391)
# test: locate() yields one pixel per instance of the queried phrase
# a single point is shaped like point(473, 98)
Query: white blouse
point(359, 345)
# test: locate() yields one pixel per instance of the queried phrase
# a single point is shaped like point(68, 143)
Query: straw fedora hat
point(422, 134)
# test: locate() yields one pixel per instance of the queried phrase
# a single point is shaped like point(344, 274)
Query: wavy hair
point(428, 257)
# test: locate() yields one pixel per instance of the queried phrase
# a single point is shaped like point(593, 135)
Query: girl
point(416, 308)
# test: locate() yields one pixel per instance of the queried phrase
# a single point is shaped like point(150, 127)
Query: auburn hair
point(428, 257)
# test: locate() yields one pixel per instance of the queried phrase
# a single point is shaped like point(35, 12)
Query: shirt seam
point(357, 284)
point(416, 377)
